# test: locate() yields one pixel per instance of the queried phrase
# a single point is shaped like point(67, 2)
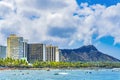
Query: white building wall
point(57, 55)
point(44, 53)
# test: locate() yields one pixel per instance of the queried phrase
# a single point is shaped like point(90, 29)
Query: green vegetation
point(8, 62)
point(39, 64)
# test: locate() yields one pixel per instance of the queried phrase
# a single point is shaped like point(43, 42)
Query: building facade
point(16, 47)
point(2, 51)
point(25, 47)
point(36, 52)
point(52, 53)
point(41, 52)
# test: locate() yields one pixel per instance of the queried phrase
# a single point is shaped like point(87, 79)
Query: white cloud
point(33, 19)
point(98, 19)
point(52, 14)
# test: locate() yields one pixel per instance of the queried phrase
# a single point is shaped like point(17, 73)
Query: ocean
point(103, 74)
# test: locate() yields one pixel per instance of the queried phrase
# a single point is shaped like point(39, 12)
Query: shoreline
point(48, 69)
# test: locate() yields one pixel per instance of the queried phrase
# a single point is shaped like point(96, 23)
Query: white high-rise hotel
point(16, 47)
point(52, 53)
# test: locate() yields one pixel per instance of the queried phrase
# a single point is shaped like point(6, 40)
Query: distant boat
point(61, 73)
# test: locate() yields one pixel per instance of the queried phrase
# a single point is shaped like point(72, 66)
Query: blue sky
point(102, 2)
point(106, 44)
point(67, 24)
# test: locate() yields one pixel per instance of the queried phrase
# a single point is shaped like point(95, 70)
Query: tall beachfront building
point(52, 53)
point(16, 47)
point(36, 52)
point(41, 52)
point(2, 51)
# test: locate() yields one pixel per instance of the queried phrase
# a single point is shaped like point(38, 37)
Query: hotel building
point(52, 53)
point(36, 52)
point(16, 47)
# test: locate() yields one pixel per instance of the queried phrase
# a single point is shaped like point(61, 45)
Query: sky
point(64, 23)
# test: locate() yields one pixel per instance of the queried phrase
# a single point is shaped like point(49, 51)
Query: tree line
point(20, 63)
point(9, 62)
point(40, 64)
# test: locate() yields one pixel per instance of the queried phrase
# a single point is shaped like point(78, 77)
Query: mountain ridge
point(86, 53)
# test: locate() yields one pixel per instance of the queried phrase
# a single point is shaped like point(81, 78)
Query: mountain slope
point(85, 53)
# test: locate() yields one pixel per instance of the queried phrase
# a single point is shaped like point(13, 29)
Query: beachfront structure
point(2, 51)
point(16, 47)
point(52, 53)
point(41, 52)
point(36, 52)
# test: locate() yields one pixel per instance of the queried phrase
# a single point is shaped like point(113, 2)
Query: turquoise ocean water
point(104, 74)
